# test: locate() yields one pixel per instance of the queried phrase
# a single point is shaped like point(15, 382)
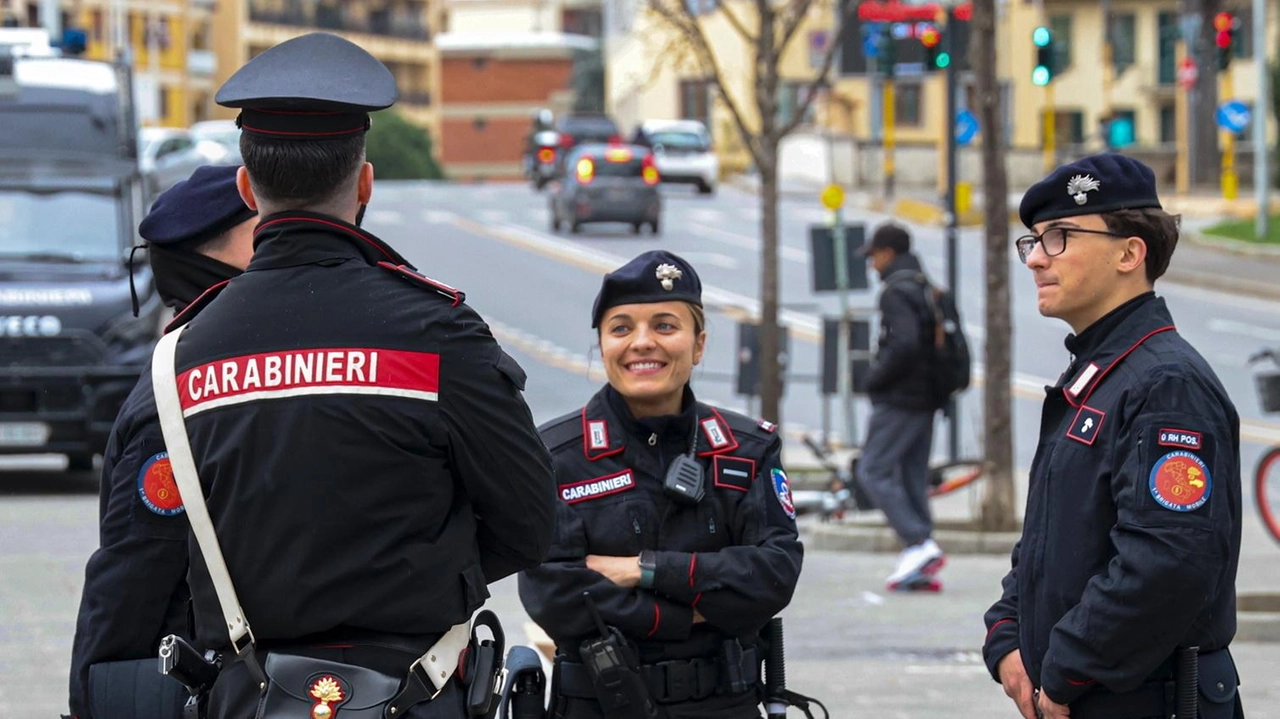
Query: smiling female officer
point(690, 569)
point(1124, 579)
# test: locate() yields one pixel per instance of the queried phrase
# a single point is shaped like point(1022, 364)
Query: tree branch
point(735, 22)
point(792, 23)
point(827, 59)
point(687, 25)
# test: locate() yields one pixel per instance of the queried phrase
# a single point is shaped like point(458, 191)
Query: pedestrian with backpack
point(907, 384)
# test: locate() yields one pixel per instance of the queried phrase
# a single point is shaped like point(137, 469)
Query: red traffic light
point(1223, 22)
point(930, 37)
point(1223, 39)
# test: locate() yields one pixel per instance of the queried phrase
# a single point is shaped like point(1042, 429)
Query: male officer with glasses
point(1123, 584)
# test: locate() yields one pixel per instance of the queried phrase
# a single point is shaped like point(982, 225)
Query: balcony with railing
point(404, 20)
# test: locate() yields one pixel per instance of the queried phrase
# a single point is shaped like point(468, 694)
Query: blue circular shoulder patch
point(157, 488)
point(782, 488)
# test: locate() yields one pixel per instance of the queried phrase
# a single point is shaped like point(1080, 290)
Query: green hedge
point(400, 150)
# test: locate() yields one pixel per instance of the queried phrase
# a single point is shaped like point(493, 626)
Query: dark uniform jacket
point(734, 556)
point(368, 460)
point(1132, 532)
point(901, 375)
point(135, 589)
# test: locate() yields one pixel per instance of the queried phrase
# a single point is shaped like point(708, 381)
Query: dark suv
point(581, 129)
point(607, 183)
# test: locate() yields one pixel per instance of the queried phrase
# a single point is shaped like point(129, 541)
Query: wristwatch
point(648, 566)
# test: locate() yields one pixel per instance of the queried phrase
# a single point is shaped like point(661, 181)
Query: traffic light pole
point(1230, 182)
point(1261, 178)
point(1050, 132)
point(889, 122)
point(953, 259)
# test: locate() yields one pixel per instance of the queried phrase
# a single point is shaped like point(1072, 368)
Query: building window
point(1167, 63)
point(1123, 41)
point(790, 96)
point(98, 25)
point(1060, 27)
point(582, 21)
point(1168, 124)
point(1068, 128)
point(907, 99)
point(162, 106)
point(695, 101)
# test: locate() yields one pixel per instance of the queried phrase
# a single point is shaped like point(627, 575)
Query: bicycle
point(944, 478)
point(1267, 474)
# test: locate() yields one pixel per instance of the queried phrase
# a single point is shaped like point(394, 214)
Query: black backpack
point(951, 370)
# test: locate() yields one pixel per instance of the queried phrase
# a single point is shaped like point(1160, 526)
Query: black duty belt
point(1152, 699)
point(669, 682)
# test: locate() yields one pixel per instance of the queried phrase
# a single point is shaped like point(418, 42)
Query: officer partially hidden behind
point(1121, 600)
point(675, 536)
point(367, 457)
point(199, 235)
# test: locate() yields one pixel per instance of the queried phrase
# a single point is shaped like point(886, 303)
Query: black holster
point(614, 668)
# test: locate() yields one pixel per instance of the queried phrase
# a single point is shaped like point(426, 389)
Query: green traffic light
point(942, 60)
point(1041, 37)
point(1040, 76)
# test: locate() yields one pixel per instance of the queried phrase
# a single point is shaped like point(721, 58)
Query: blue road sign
point(966, 127)
point(1232, 116)
point(871, 40)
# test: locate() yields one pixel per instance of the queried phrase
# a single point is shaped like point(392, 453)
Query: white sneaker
point(917, 564)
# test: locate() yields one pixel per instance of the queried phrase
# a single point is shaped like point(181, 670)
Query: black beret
point(655, 276)
point(1090, 186)
point(196, 209)
point(314, 87)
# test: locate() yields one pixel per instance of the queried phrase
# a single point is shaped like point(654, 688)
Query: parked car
point(682, 151)
point(168, 155)
point(225, 138)
point(607, 183)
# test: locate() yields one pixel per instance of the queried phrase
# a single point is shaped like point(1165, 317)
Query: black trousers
point(236, 694)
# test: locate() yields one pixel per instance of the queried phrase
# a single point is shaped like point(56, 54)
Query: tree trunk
point(770, 369)
point(1205, 159)
point(998, 511)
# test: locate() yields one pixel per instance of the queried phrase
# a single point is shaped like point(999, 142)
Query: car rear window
point(617, 162)
point(589, 127)
point(679, 140)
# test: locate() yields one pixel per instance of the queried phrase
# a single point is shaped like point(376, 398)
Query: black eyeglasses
point(1053, 240)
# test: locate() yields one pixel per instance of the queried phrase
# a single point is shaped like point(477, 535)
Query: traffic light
point(935, 57)
point(888, 55)
point(1224, 24)
point(1042, 73)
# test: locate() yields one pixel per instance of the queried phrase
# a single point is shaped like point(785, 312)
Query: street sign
point(1188, 73)
point(966, 127)
point(822, 250)
point(833, 197)
point(747, 377)
point(1232, 116)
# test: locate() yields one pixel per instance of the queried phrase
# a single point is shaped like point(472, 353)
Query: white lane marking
point(438, 217)
point(747, 243)
point(494, 216)
point(386, 217)
point(1243, 329)
point(711, 258)
point(1203, 296)
point(704, 214)
point(803, 326)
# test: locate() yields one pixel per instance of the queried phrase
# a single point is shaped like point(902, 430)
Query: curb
point(1258, 617)
point(882, 539)
point(1230, 246)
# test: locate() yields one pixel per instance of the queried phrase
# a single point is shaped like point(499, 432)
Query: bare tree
point(766, 28)
point(998, 512)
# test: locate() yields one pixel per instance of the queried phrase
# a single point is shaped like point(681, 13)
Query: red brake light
point(617, 154)
point(649, 171)
point(546, 155)
point(586, 170)
point(615, 139)
point(566, 140)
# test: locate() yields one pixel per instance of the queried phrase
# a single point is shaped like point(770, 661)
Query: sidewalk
point(1213, 263)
